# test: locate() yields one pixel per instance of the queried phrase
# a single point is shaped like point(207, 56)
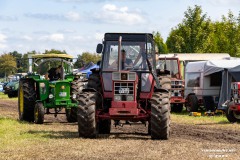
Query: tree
point(7, 64)
point(85, 58)
point(192, 35)
point(162, 47)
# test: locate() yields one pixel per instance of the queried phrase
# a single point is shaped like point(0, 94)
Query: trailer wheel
point(160, 116)
point(104, 126)
point(71, 115)
point(192, 103)
point(231, 115)
point(39, 113)
point(26, 100)
point(178, 107)
point(86, 115)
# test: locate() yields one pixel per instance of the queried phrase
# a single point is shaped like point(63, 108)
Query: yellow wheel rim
point(21, 100)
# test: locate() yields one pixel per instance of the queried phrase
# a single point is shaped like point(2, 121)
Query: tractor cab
point(124, 88)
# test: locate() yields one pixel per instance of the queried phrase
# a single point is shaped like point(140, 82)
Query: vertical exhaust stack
point(30, 60)
point(119, 53)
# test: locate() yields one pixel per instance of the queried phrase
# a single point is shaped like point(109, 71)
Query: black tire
point(160, 116)
point(87, 126)
point(231, 115)
point(77, 86)
point(39, 113)
point(71, 115)
point(26, 100)
point(177, 107)
point(104, 126)
point(94, 82)
point(192, 105)
point(165, 82)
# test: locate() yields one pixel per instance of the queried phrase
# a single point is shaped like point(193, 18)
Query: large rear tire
point(77, 86)
point(160, 116)
point(165, 82)
point(39, 113)
point(86, 115)
point(94, 82)
point(192, 105)
point(231, 115)
point(26, 100)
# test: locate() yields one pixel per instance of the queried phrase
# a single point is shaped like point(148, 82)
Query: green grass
point(184, 117)
point(14, 133)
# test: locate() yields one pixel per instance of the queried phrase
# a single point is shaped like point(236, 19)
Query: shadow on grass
point(55, 134)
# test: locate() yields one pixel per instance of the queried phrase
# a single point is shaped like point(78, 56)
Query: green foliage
point(192, 35)
point(198, 34)
point(7, 64)
point(162, 47)
point(85, 58)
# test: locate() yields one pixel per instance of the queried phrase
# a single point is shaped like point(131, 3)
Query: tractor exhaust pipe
point(119, 53)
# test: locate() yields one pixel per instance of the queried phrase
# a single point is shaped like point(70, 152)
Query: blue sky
point(79, 25)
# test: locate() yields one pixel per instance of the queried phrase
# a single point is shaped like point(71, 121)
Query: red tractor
point(125, 88)
point(233, 107)
point(172, 64)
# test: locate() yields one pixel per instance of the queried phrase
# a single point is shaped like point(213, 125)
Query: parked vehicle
point(172, 64)
point(124, 89)
point(38, 96)
point(233, 107)
point(207, 84)
point(11, 88)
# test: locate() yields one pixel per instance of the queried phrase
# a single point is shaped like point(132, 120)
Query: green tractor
point(38, 96)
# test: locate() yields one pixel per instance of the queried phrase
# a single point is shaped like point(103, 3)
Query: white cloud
point(73, 16)
point(56, 37)
point(28, 38)
point(109, 7)
point(3, 38)
point(112, 14)
point(3, 46)
point(99, 36)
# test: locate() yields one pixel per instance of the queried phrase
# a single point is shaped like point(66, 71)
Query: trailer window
point(193, 79)
point(216, 79)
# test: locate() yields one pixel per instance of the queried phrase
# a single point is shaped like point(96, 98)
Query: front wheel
point(38, 113)
point(159, 127)
point(177, 107)
point(232, 116)
point(86, 115)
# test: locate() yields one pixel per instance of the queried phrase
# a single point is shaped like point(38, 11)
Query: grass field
point(56, 139)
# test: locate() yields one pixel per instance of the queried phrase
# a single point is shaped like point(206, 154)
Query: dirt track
point(187, 141)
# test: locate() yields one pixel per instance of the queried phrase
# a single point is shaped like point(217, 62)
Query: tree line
point(197, 33)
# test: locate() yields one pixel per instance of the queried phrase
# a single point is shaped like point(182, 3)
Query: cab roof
point(52, 56)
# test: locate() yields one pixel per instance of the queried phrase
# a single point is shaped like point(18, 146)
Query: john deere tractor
point(126, 89)
point(39, 96)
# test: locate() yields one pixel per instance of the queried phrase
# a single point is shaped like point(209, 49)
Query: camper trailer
point(208, 84)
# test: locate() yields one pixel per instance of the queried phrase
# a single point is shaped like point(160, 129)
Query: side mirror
point(99, 48)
